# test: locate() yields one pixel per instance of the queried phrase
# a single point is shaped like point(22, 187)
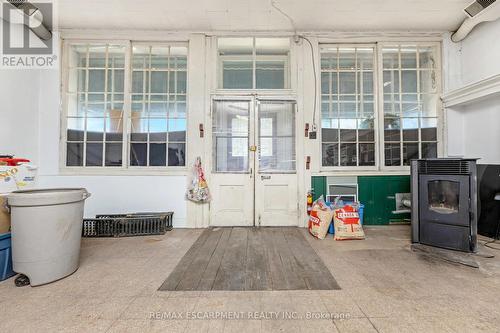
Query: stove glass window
point(443, 196)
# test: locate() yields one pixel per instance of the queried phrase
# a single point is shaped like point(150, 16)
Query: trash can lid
point(46, 197)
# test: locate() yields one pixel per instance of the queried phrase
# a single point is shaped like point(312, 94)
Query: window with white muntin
point(410, 88)
point(347, 106)
point(158, 117)
point(108, 125)
point(358, 131)
point(95, 100)
point(253, 63)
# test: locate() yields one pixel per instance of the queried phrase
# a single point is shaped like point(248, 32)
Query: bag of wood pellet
point(347, 223)
point(320, 218)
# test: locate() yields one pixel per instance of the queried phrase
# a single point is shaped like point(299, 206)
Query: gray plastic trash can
point(46, 232)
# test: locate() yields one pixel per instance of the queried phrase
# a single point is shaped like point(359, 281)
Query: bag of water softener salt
point(320, 218)
point(347, 223)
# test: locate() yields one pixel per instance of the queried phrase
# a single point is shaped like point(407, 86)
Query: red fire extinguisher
point(309, 202)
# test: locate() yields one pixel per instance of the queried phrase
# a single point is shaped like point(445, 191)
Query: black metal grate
point(444, 167)
point(123, 225)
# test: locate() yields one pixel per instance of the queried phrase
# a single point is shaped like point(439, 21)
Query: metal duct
point(478, 12)
point(33, 16)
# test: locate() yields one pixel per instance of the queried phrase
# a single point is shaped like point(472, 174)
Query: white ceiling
point(230, 15)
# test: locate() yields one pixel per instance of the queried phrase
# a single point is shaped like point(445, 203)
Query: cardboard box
point(13, 178)
point(7, 180)
point(21, 177)
point(4, 215)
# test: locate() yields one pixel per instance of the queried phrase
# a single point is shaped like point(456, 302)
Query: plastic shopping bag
point(320, 218)
point(198, 188)
point(347, 223)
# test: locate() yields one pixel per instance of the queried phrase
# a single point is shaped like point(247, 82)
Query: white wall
point(30, 120)
point(473, 129)
point(125, 193)
point(19, 110)
point(110, 194)
point(30, 127)
point(482, 130)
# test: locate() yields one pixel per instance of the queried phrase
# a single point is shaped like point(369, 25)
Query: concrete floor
point(385, 288)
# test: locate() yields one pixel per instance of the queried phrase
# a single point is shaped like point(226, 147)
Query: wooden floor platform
point(250, 259)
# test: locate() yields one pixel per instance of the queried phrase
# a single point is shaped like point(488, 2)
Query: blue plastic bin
point(361, 210)
point(5, 257)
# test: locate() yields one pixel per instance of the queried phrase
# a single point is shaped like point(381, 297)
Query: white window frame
point(341, 181)
point(379, 107)
point(254, 57)
point(439, 107)
point(375, 107)
point(125, 168)
point(328, 194)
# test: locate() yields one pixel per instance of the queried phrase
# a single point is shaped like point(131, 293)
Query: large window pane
point(410, 103)
point(348, 106)
point(159, 85)
point(96, 97)
point(95, 104)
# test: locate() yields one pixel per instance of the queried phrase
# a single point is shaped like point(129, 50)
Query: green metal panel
point(319, 186)
point(377, 194)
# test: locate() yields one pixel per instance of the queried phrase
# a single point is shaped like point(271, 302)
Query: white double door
point(253, 176)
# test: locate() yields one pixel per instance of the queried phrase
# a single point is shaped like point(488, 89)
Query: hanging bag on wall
point(198, 188)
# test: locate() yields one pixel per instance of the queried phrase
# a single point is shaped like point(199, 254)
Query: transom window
point(253, 63)
point(407, 86)
point(107, 126)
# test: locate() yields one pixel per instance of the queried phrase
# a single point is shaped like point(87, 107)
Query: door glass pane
point(276, 136)
point(230, 136)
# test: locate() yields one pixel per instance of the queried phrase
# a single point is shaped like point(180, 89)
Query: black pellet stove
point(444, 203)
